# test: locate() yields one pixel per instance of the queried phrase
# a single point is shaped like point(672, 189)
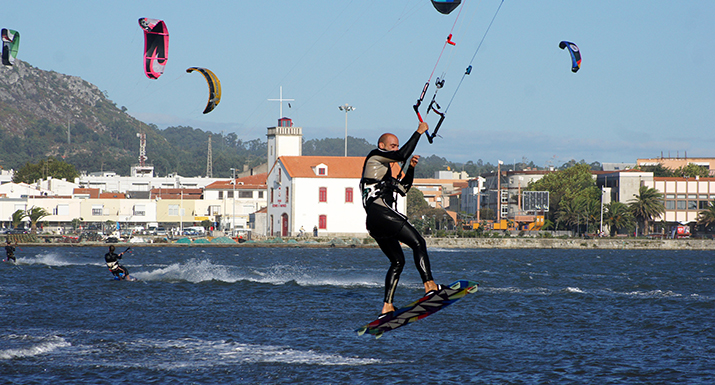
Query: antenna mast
point(209, 162)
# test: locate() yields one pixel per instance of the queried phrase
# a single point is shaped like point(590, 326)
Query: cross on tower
point(281, 100)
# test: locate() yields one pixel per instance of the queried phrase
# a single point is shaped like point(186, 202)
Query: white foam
point(201, 270)
point(35, 347)
point(54, 259)
point(201, 353)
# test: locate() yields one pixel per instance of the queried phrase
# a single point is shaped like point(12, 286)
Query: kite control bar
point(433, 106)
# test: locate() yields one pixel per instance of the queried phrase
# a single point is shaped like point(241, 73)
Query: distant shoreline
point(447, 243)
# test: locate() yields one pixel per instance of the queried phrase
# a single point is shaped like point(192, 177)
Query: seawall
point(572, 243)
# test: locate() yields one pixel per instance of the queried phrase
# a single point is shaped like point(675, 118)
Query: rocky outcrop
point(29, 94)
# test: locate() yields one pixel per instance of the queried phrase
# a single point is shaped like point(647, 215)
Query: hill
point(45, 113)
point(48, 114)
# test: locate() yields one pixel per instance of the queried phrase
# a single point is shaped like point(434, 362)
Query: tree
point(658, 170)
point(35, 214)
point(57, 169)
point(618, 216)
point(707, 216)
point(568, 185)
point(692, 170)
point(417, 206)
point(647, 205)
point(17, 218)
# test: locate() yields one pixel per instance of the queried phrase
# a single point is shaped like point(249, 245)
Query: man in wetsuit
point(384, 222)
point(111, 258)
point(10, 251)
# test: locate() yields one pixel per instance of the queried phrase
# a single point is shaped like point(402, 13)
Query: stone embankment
point(447, 243)
point(572, 243)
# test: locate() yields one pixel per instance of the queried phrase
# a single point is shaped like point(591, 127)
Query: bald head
point(388, 142)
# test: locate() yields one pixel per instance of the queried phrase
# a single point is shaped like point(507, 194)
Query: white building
point(311, 191)
point(240, 198)
point(112, 182)
point(316, 191)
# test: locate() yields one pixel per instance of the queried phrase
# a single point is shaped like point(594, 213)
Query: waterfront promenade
point(447, 243)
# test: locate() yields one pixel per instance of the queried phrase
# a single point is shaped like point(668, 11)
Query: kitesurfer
point(10, 251)
point(111, 258)
point(384, 223)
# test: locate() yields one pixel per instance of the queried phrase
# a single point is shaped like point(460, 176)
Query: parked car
point(160, 231)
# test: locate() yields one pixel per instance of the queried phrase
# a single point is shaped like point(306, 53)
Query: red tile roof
point(251, 182)
point(176, 193)
point(92, 192)
point(338, 166)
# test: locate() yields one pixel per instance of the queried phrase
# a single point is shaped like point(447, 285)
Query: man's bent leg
point(412, 238)
point(392, 249)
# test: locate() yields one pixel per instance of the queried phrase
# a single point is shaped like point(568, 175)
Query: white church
point(312, 192)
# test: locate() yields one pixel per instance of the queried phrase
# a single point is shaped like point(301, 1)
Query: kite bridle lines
point(439, 82)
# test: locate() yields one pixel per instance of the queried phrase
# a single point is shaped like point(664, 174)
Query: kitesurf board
point(130, 278)
point(423, 307)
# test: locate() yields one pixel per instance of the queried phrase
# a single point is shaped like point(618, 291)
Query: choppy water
point(253, 315)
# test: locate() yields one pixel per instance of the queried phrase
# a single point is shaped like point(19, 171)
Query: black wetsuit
point(384, 223)
point(10, 251)
point(112, 263)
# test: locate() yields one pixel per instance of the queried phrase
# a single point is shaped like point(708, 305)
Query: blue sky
point(646, 85)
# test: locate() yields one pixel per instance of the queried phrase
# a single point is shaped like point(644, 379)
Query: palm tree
point(647, 205)
point(618, 216)
point(571, 211)
point(35, 214)
point(17, 218)
point(707, 216)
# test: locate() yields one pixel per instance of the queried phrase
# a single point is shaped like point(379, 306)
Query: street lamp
point(347, 108)
point(233, 216)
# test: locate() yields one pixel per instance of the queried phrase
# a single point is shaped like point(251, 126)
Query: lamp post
point(347, 108)
point(233, 216)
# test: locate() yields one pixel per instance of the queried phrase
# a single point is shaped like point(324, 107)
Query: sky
point(646, 87)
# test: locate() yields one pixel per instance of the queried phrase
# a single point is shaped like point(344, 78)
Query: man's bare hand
point(414, 160)
point(422, 128)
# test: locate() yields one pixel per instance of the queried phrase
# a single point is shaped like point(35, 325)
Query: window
point(692, 205)
point(323, 194)
point(61, 210)
point(174, 210)
point(321, 171)
point(287, 195)
point(670, 205)
point(681, 205)
point(348, 195)
point(670, 196)
point(220, 195)
point(323, 222)
point(246, 194)
point(279, 175)
point(704, 205)
point(271, 201)
point(139, 210)
point(97, 210)
point(260, 195)
point(229, 194)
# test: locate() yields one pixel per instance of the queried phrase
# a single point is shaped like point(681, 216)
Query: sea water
point(288, 315)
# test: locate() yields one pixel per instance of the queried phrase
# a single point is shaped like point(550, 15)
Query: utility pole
point(347, 108)
point(209, 162)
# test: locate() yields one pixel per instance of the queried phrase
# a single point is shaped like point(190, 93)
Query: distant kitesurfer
point(384, 223)
point(112, 259)
point(10, 251)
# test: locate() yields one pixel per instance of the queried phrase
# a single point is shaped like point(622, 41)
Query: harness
point(384, 189)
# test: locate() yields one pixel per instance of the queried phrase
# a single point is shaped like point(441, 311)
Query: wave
point(55, 260)
point(30, 346)
point(202, 270)
point(648, 294)
point(193, 353)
